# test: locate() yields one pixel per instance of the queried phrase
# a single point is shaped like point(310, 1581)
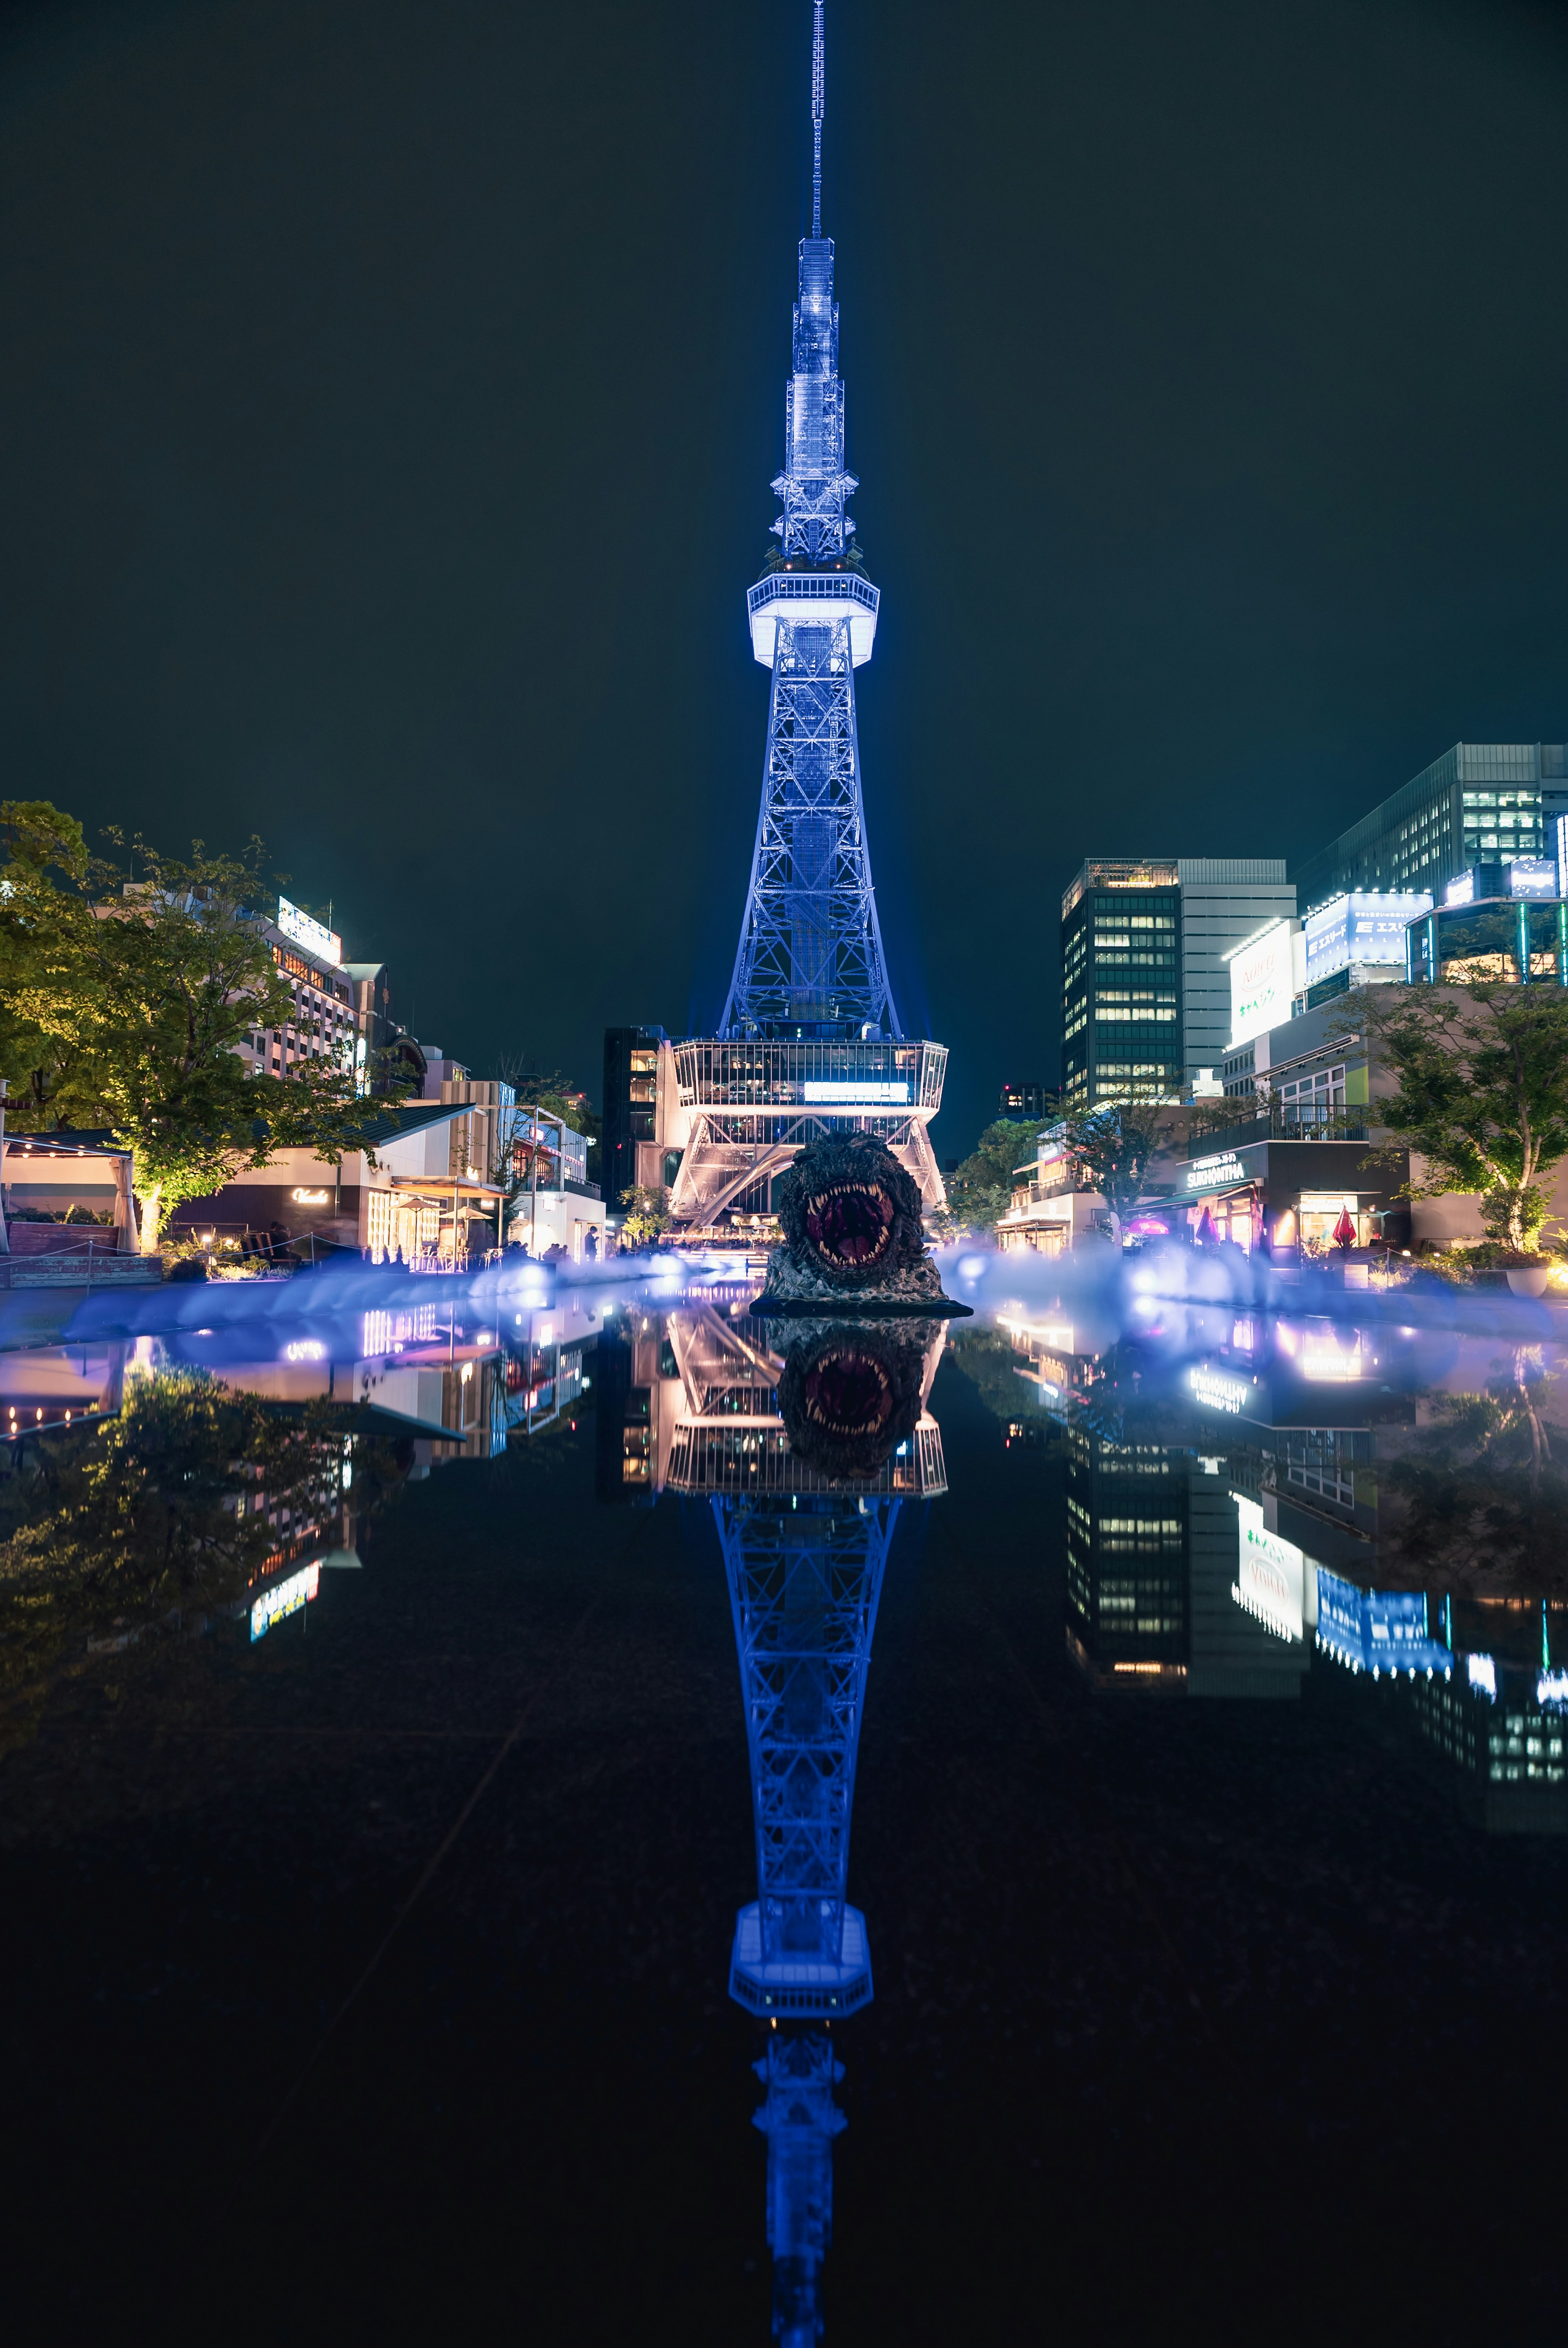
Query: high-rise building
point(810, 1041)
point(1026, 1100)
point(1224, 900)
point(1121, 980)
point(1481, 801)
point(628, 1142)
point(1145, 984)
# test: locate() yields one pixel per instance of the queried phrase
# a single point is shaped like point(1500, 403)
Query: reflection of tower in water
point(806, 1458)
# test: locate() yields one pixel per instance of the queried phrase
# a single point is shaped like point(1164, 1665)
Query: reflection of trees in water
point(180, 1502)
point(1479, 1495)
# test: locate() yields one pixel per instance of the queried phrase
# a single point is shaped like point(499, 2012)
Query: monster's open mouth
point(848, 1393)
point(851, 1223)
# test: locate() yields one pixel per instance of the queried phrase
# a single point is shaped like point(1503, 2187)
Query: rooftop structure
point(1479, 798)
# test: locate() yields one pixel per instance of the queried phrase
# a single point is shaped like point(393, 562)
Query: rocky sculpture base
point(854, 1241)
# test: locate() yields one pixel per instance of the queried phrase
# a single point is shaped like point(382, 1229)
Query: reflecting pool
point(618, 1813)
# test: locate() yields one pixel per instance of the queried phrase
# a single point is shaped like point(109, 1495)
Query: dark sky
point(389, 394)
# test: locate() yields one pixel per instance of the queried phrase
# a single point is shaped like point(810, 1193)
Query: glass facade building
point(1146, 996)
point(1121, 980)
point(1480, 799)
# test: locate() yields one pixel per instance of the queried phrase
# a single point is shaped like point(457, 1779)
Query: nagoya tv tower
point(810, 1040)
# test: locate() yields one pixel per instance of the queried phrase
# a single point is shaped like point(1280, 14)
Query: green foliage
point(117, 1527)
point(1480, 1496)
point(125, 1004)
point(1482, 1092)
point(648, 1213)
point(1111, 1145)
point(980, 1192)
point(997, 1368)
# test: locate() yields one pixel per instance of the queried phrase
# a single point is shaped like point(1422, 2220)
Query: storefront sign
point(313, 934)
point(285, 1598)
point(1271, 1579)
point(1261, 984)
point(1219, 1392)
point(1215, 1173)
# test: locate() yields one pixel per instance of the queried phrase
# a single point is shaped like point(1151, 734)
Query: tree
point(42, 904)
point(138, 1000)
point(648, 1213)
point(980, 1192)
point(1111, 1144)
point(555, 1096)
point(1482, 1094)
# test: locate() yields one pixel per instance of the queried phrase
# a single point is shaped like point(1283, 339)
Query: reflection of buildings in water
point(51, 1386)
point(765, 1421)
point(800, 2120)
point(1175, 1578)
point(689, 1399)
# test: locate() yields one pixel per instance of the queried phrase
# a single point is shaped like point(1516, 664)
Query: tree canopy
point(124, 1004)
point(1111, 1144)
point(1482, 1092)
point(980, 1192)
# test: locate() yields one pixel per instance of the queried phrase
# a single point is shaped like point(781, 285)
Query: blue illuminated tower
point(810, 960)
point(805, 1579)
point(810, 1038)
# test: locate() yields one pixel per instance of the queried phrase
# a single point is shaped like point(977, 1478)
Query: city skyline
point(342, 463)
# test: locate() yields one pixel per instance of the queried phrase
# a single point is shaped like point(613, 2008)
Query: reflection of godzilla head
point(850, 1393)
point(850, 1211)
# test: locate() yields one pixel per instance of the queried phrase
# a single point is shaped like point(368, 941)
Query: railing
point(813, 587)
point(1282, 1124)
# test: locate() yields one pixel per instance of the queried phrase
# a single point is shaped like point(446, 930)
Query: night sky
point(389, 396)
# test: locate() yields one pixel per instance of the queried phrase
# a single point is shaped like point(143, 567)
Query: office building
point(1025, 1100)
point(1121, 980)
point(1145, 980)
point(1126, 1506)
point(1225, 899)
point(634, 1073)
point(324, 1021)
point(1499, 925)
point(1496, 799)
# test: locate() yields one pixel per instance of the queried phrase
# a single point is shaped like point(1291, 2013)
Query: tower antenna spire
point(817, 85)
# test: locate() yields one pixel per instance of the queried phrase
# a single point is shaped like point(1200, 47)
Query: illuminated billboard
point(1271, 1576)
point(314, 935)
point(285, 1598)
point(1362, 926)
point(1262, 983)
point(861, 1091)
point(1532, 876)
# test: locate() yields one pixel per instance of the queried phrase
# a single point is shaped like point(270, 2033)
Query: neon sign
point(1214, 1173)
point(285, 1598)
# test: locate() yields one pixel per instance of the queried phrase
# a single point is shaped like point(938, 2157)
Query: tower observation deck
point(810, 1039)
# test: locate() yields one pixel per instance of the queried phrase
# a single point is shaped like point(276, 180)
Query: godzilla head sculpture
point(850, 1213)
point(851, 1392)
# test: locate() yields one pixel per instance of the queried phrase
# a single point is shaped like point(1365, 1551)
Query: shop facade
point(1291, 1196)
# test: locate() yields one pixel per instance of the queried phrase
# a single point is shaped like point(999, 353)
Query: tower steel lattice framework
point(805, 1559)
point(810, 1038)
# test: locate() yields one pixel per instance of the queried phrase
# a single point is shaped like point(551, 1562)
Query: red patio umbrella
point(1345, 1230)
